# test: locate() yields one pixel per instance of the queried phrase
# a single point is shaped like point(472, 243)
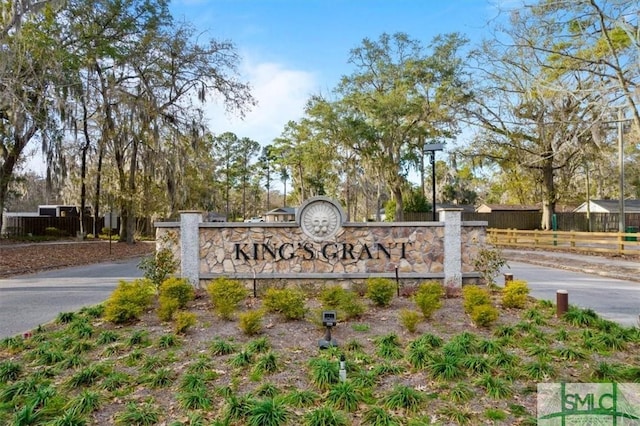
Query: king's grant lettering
point(310, 251)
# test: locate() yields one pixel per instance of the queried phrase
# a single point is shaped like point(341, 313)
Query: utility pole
point(621, 221)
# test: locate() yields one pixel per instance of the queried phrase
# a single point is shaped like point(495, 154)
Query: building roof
point(464, 207)
point(282, 210)
point(508, 207)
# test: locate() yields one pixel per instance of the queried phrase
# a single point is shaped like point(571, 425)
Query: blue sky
point(292, 49)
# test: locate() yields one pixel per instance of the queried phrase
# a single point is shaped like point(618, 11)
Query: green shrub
point(515, 294)
point(380, 291)
point(325, 416)
point(158, 267)
point(473, 296)
point(128, 301)
point(489, 262)
point(429, 298)
point(52, 231)
point(332, 296)
point(345, 302)
point(409, 319)
point(168, 306)
point(184, 321)
point(484, 315)
point(289, 303)
point(350, 306)
point(226, 294)
point(179, 289)
point(251, 322)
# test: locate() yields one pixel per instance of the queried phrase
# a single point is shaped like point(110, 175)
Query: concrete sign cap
point(320, 218)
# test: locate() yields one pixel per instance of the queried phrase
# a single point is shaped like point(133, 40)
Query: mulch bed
point(19, 258)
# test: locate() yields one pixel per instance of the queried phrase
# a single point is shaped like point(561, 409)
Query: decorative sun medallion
point(320, 218)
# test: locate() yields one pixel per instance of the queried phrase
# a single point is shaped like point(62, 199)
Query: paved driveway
point(614, 299)
point(30, 300)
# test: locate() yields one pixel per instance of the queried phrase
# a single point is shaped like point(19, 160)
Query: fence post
point(620, 243)
point(562, 302)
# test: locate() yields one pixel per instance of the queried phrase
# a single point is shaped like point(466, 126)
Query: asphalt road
point(30, 300)
point(613, 299)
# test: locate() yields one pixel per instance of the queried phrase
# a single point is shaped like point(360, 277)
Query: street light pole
point(433, 184)
point(431, 148)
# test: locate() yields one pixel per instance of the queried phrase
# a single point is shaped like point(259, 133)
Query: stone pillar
point(452, 219)
point(190, 246)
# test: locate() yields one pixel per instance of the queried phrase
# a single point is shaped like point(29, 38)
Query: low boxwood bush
point(129, 301)
point(515, 294)
point(345, 302)
point(287, 302)
point(251, 322)
point(167, 308)
point(473, 296)
point(226, 294)
point(175, 293)
point(484, 315)
point(380, 291)
point(409, 319)
point(429, 297)
point(179, 289)
point(184, 321)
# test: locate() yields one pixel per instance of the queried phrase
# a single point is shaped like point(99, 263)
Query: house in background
point(214, 217)
point(489, 208)
point(281, 214)
point(609, 206)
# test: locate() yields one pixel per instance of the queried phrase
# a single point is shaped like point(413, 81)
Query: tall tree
point(266, 167)
point(30, 57)
point(403, 95)
point(247, 150)
point(538, 119)
point(226, 147)
point(598, 39)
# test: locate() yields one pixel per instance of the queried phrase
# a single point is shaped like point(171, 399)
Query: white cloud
point(281, 94)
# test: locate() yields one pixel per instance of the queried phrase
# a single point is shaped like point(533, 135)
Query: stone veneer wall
point(227, 249)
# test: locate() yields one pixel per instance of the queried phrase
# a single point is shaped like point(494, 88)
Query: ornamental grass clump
point(226, 294)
